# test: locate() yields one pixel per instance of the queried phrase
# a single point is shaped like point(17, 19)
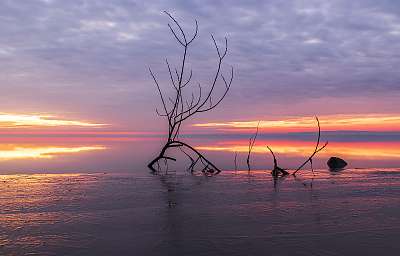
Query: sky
point(84, 64)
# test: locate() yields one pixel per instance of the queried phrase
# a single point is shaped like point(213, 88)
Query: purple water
point(354, 212)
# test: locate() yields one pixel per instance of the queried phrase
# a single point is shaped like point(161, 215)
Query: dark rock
point(336, 163)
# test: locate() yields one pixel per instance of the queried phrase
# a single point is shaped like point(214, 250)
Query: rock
point(336, 163)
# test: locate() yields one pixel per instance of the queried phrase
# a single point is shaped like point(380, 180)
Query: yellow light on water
point(32, 152)
point(357, 150)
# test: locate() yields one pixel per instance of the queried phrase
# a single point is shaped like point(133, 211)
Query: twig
point(236, 167)
point(316, 150)
point(252, 141)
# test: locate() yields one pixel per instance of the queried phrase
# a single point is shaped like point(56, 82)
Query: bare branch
point(316, 150)
point(177, 74)
point(159, 91)
point(226, 48)
point(171, 76)
point(227, 87)
point(273, 155)
point(180, 28)
point(252, 142)
point(195, 33)
point(188, 80)
point(216, 46)
point(176, 37)
point(236, 166)
point(158, 113)
point(276, 171)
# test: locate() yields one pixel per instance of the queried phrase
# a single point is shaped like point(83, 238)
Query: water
point(126, 154)
point(101, 200)
point(354, 212)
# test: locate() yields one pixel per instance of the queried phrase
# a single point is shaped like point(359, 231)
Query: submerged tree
point(187, 102)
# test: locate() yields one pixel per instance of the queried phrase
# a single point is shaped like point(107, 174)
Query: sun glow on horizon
point(8, 120)
point(369, 122)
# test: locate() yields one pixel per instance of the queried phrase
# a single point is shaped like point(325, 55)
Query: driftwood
point(277, 170)
point(181, 107)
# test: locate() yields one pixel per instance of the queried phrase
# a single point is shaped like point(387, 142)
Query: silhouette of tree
point(181, 107)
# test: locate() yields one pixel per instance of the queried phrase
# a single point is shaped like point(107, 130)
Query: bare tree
point(280, 171)
point(181, 107)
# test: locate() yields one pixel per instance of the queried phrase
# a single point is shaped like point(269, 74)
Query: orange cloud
point(36, 120)
point(369, 122)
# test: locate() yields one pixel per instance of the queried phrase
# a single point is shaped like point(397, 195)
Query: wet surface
point(353, 212)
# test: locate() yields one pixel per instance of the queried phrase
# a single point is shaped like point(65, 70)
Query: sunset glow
point(10, 152)
point(35, 120)
point(370, 122)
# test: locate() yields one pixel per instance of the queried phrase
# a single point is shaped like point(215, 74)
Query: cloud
point(370, 122)
point(91, 57)
point(8, 120)
point(93, 25)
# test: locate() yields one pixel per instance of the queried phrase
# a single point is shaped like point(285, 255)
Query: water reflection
point(17, 151)
point(94, 154)
point(235, 213)
point(74, 154)
point(370, 150)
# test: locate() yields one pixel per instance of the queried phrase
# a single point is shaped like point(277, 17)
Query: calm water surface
point(354, 212)
point(101, 199)
point(126, 154)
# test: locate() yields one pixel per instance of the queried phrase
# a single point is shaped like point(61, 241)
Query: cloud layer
point(89, 58)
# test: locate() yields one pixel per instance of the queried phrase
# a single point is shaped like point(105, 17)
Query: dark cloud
point(91, 57)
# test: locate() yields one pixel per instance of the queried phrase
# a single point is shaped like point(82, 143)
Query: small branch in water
point(280, 171)
point(316, 150)
point(277, 170)
point(252, 142)
point(236, 167)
